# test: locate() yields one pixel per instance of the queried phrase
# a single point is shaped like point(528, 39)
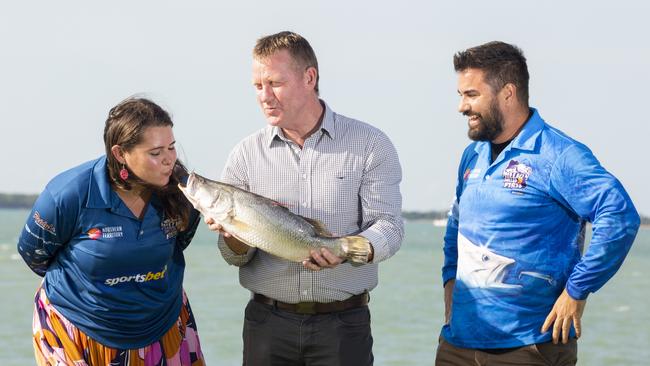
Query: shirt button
point(141, 232)
point(304, 176)
point(487, 177)
point(304, 204)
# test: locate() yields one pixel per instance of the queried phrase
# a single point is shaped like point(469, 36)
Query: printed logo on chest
point(170, 227)
point(108, 232)
point(471, 173)
point(515, 175)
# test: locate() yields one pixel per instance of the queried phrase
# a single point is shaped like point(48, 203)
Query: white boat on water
point(439, 222)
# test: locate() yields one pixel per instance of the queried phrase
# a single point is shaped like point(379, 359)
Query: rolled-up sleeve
point(381, 200)
point(233, 258)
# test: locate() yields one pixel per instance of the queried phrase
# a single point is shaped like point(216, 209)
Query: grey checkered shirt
point(347, 176)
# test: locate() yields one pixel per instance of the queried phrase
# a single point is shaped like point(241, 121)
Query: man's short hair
point(298, 47)
point(501, 62)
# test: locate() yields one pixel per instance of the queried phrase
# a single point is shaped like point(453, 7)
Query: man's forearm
point(449, 291)
point(236, 246)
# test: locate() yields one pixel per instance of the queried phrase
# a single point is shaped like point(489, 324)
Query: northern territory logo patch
point(109, 232)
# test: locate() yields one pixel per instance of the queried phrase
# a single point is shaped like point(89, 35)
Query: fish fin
point(319, 227)
point(224, 217)
point(240, 226)
point(356, 248)
point(276, 203)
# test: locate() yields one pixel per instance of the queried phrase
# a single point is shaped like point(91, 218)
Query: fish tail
point(356, 248)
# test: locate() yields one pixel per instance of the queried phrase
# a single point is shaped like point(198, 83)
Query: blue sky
point(65, 63)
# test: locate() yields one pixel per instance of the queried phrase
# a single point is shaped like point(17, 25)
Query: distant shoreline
point(26, 201)
point(437, 218)
point(17, 200)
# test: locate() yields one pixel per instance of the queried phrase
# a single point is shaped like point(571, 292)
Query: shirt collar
point(327, 126)
point(527, 137)
point(99, 189)
point(102, 195)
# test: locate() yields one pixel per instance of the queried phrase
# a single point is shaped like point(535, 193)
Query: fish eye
point(485, 258)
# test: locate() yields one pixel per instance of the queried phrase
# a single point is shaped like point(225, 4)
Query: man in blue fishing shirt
point(515, 274)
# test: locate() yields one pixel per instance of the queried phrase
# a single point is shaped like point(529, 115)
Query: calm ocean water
point(406, 306)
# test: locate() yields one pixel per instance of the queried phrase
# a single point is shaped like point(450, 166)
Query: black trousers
point(275, 337)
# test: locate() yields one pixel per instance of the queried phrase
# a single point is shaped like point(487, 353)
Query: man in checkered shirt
point(324, 166)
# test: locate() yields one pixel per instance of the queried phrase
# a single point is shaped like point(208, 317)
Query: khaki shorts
point(541, 354)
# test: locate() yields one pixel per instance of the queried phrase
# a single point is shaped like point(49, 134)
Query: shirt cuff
point(379, 244)
point(448, 274)
point(575, 292)
point(231, 257)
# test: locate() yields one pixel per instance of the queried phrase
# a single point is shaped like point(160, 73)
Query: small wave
point(15, 257)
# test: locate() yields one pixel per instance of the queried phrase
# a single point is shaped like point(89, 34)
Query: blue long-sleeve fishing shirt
point(115, 277)
point(515, 235)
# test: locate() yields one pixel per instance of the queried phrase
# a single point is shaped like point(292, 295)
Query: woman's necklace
point(135, 201)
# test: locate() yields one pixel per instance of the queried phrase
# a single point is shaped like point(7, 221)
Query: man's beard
point(490, 126)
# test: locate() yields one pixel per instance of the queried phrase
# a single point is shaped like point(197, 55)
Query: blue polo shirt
point(515, 235)
point(115, 277)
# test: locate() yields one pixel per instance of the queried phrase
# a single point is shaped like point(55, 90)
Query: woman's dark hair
point(125, 126)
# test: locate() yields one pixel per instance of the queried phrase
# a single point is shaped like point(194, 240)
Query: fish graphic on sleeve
point(478, 267)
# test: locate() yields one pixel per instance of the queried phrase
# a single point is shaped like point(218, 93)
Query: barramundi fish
point(266, 224)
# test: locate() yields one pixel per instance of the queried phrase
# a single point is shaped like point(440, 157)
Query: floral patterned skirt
point(58, 342)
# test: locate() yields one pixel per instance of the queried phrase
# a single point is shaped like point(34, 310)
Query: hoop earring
point(124, 174)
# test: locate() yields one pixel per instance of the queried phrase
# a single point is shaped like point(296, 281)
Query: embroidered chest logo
point(515, 176)
point(109, 232)
point(170, 227)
